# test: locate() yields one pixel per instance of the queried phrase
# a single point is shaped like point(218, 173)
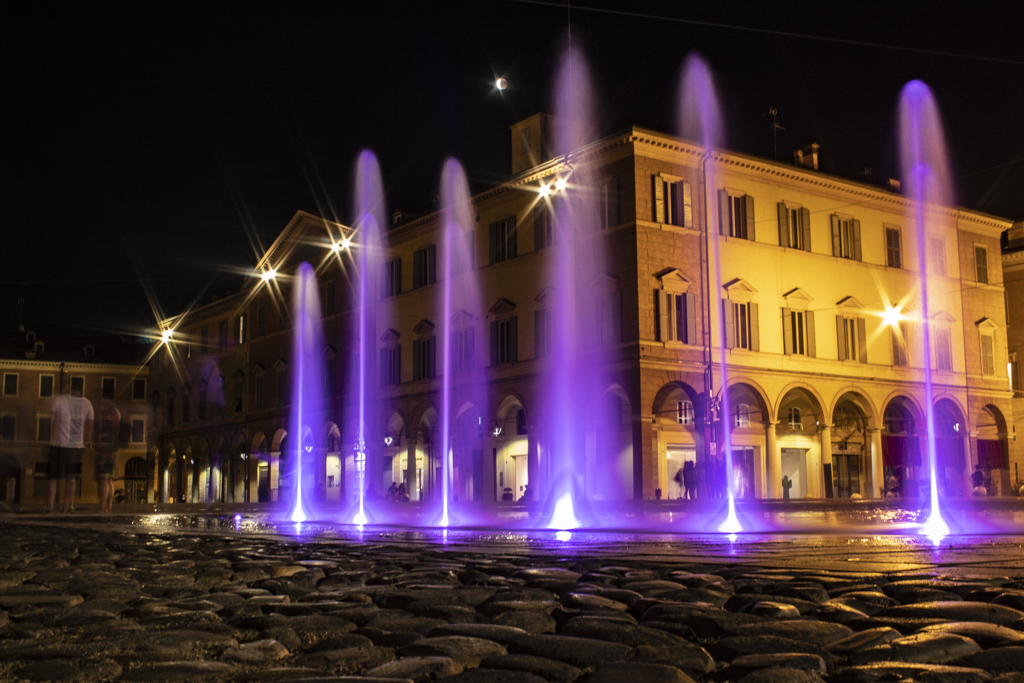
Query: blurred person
point(72, 428)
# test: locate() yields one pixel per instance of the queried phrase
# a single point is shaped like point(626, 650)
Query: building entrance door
point(677, 456)
point(263, 482)
point(794, 466)
point(845, 474)
point(743, 472)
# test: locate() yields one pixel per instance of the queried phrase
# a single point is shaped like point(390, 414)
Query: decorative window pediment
point(547, 295)
point(943, 317)
point(502, 307)
point(739, 290)
point(424, 328)
point(604, 283)
point(849, 302)
point(238, 374)
point(257, 370)
point(674, 281)
point(280, 364)
point(390, 336)
point(797, 299)
point(330, 353)
point(986, 325)
point(462, 319)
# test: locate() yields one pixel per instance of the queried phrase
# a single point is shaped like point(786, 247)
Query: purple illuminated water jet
point(925, 167)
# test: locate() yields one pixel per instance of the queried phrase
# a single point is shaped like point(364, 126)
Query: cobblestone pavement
point(89, 601)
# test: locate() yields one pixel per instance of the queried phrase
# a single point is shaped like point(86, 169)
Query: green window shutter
point(511, 236)
point(755, 327)
point(513, 339)
point(783, 225)
point(494, 343)
point(659, 200)
point(841, 336)
point(856, 240)
point(494, 243)
point(787, 331)
point(691, 318)
point(724, 211)
point(811, 345)
point(687, 204)
point(749, 200)
point(837, 249)
point(862, 341)
point(662, 309)
point(805, 227)
point(729, 318)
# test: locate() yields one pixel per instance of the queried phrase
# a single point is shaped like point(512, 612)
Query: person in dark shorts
point(106, 459)
point(72, 427)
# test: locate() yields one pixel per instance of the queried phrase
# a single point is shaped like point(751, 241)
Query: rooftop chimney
point(807, 157)
point(531, 142)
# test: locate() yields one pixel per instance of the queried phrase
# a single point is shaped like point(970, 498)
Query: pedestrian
point(402, 495)
point(678, 478)
point(689, 480)
point(392, 491)
point(106, 458)
point(72, 428)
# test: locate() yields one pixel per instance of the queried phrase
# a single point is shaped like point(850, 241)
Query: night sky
point(154, 146)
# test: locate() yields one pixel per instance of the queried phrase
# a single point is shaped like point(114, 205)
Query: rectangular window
point(796, 420)
point(392, 283)
point(10, 384)
point(937, 255)
point(138, 430)
point(186, 405)
point(798, 333)
point(542, 332)
point(204, 338)
point(988, 355)
point(241, 328)
point(893, 247)
point(259, 393)
point(504, 341)
point(330, 298)
point(108, 388)
point(851, 334)
point(424, 266)
point(201, 403)
point(43, 426)
point(503, 240)
point(170, 409)
point(1015, 383)
point(741, 415)
point(900, 345)
point(943, 350)
point(610, 203)
point(391, 366)
point(742, 327)
point(423, 355)
point(222, 334)
point(463, 353)
point(981, 263)
point(544, 224)
point(138, 389)
point(794, 227)
point(846, 237)
point(46, 386)
point(609, 318)
point(282, 388)
point(261, 321)
point(684, 412)
point(78, 386)
point(673, 202)
point(8, 427)
point(239, 393)
point(736, 215)
point(676, 317)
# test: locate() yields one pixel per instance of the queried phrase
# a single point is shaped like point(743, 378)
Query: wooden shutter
point(494, 243)
point(787, 331)
point(397, 359)
point(659, 200)
point(511, 236)
point(398, 276)
point(837, 249)
point(805, 227)
point(661, 308)
point(687, 207)
point(431, 356)
point(783, 225)
point(417, 365)
point(855, 224)
point(841, 337)
point(749, 200)
point(691, 318)
point(723, 212)
point(678, 317)
point(513, 339)
point(615, 301)
point(728, 317)
point(862, 341)
point(539, 212)
point(755, 327)
point(417, 269)
point(494, 343)
point(811, 345)
point(471, 339)
point(384, 367)
point(613, 202)
point(538, 334)
point(431, 264)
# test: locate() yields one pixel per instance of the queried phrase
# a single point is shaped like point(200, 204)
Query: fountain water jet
point(925, 166)
point(700, 119)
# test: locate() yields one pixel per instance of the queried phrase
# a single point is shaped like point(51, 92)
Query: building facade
point(811, 283)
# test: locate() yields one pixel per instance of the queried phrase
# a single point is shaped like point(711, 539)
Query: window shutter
point(384, 367)
point(513, 339)
point(805, 228)
point(836, 237)
point(678, 317)
point(749, 199)
point(783, 225)
point(538, 225)
point(494, 243)
point(724, 207)
point(538, 335)
point(398, 276)
point(811, 346)
point(862, 337)
point(787, 331)
point(659, 200)
point(471, 339)
point(417, 269)
point(691, 318)
point(687, 204)
point(397, 375)
point(728, 316)
point(417, 363)
point(511, 236)
point(615, 301)
point(431, 264)
point(755, 327)
point(856, 239)
point(661, 310)
point(494, 343)
point(841, 336)
point(613, 202)
point(431, 363)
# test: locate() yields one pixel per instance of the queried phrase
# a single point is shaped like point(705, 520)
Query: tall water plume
point(461, 310)
point(700, 120)
point(578, 260)
point(307, 393)
point(367, 246)
point(925, 167)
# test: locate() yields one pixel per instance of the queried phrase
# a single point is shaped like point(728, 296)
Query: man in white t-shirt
point(72, 428)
